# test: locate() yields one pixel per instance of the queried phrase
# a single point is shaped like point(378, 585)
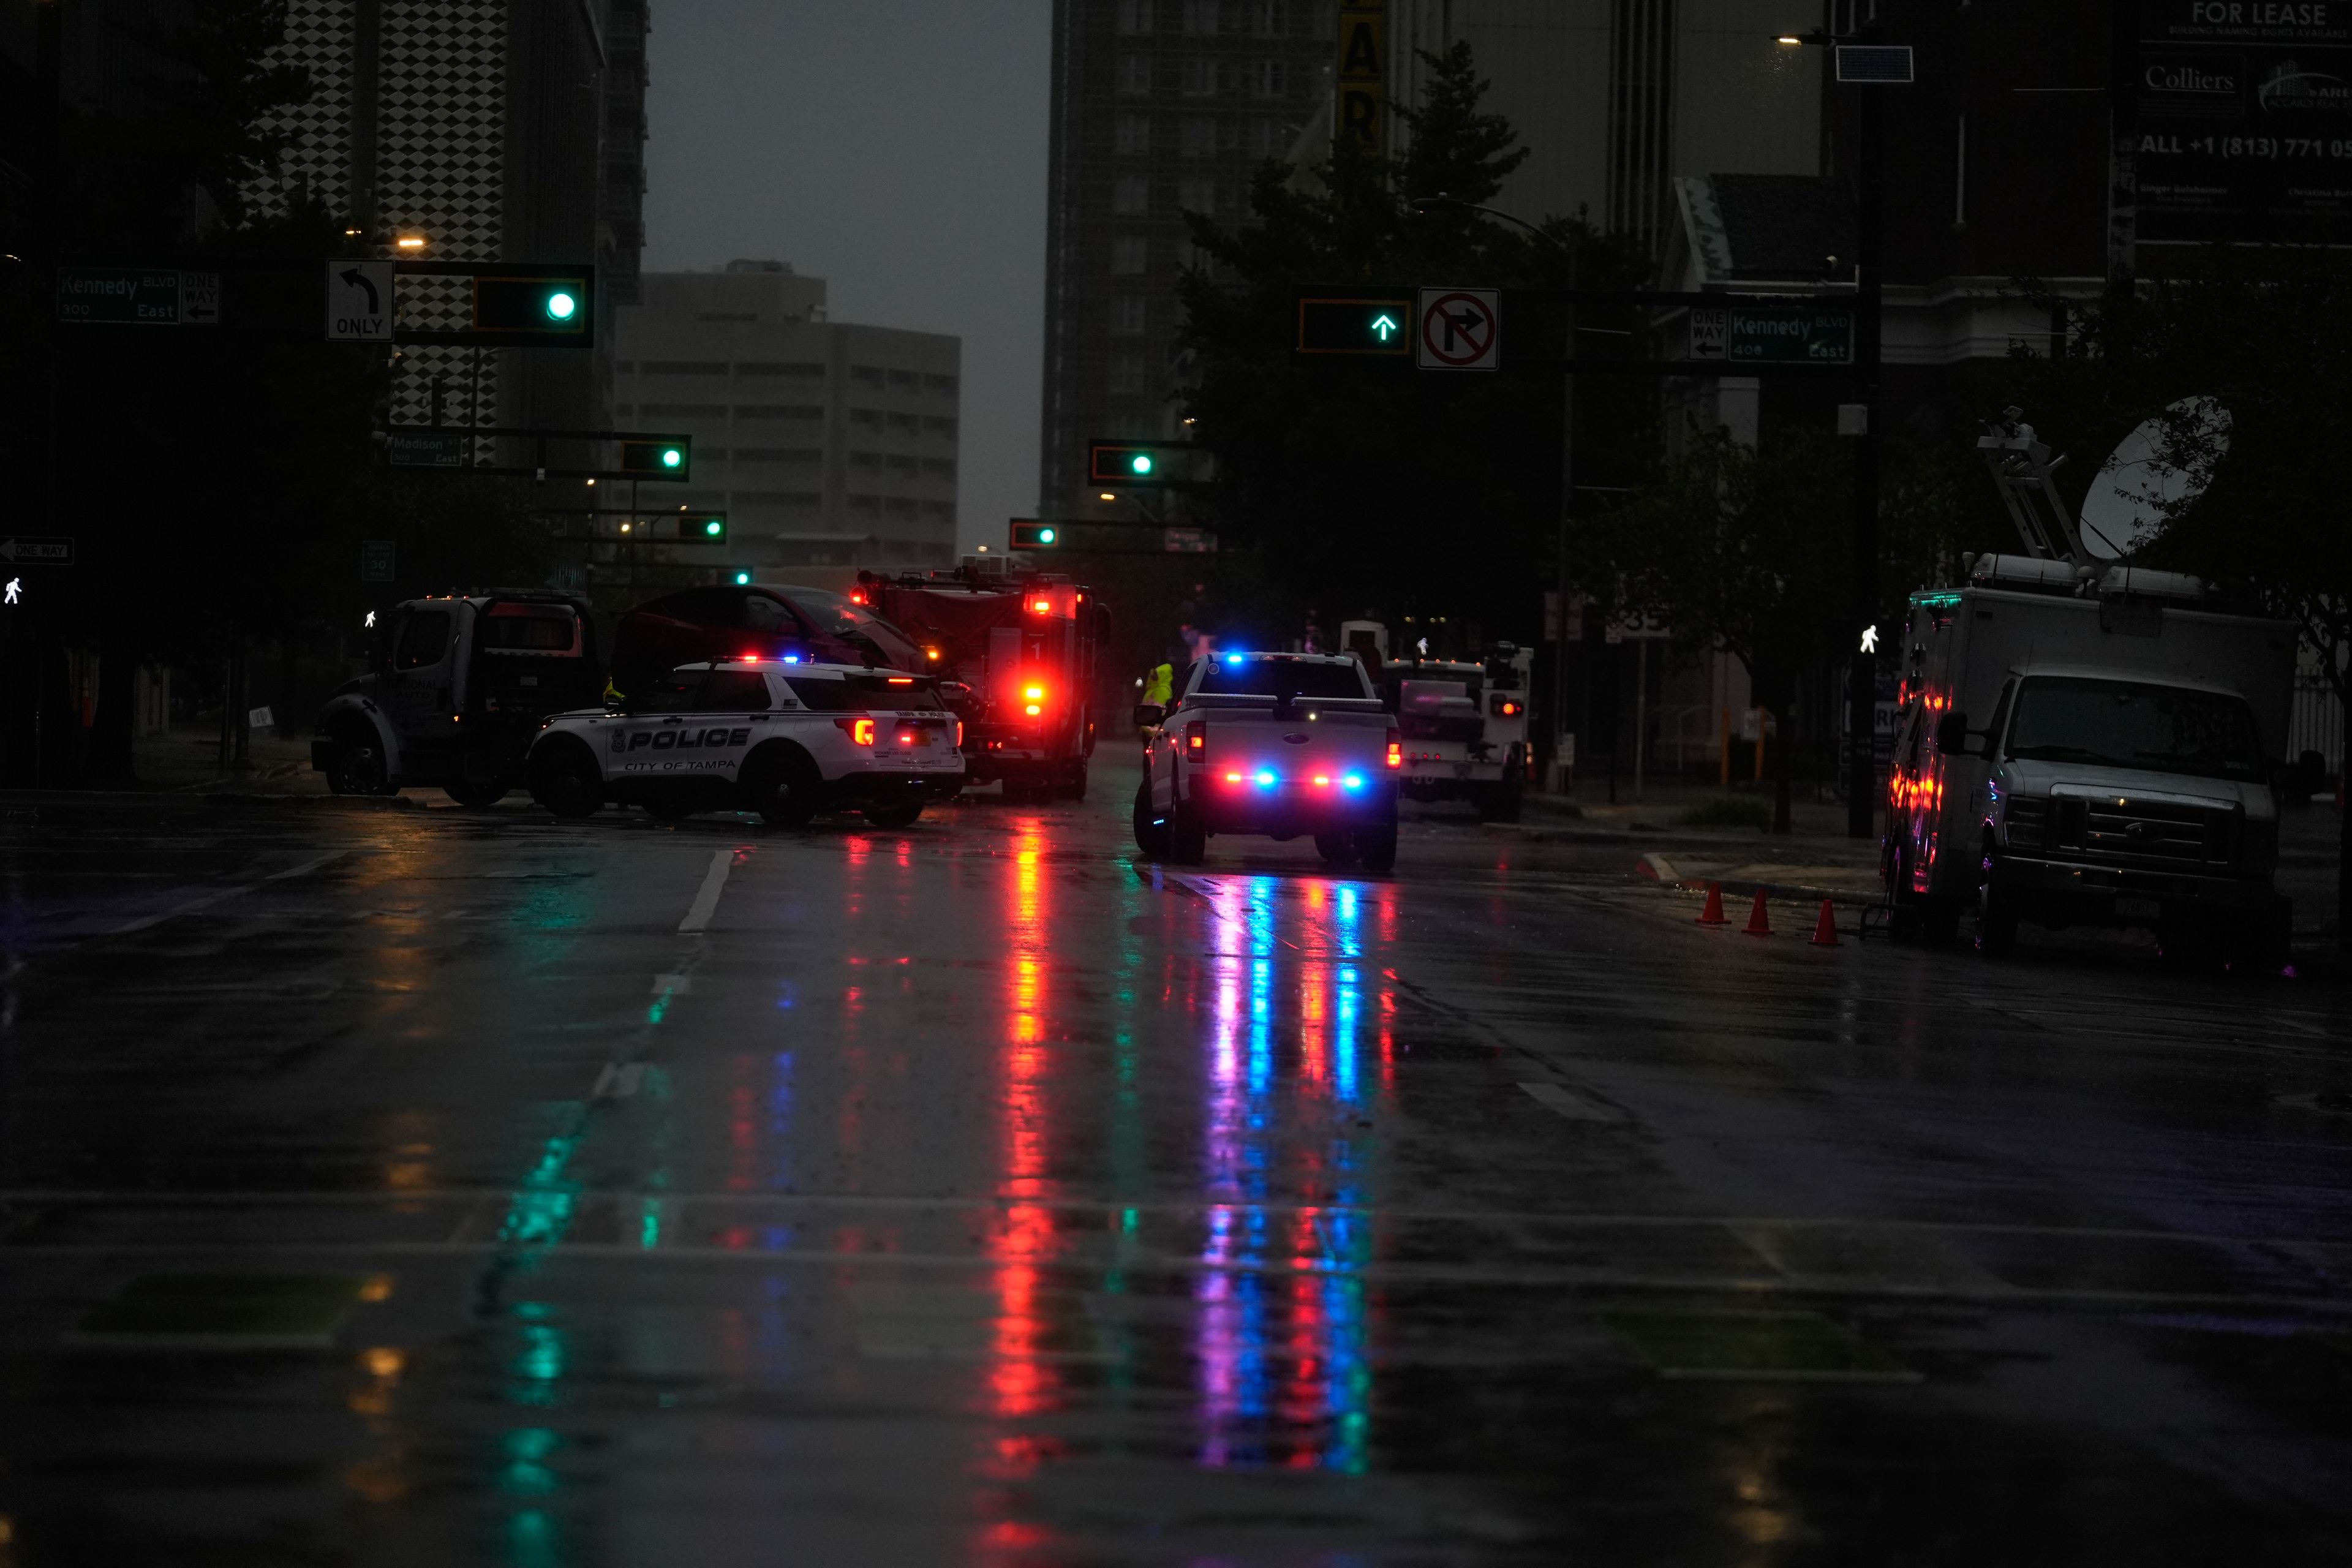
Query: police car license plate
point(2140, 909)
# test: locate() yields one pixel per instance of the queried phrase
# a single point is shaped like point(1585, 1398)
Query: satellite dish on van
point(2137, 489)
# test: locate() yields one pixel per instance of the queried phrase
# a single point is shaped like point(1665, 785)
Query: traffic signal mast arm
point(643, 454)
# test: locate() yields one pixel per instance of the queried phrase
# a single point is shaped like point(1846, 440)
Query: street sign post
point(359, 301)
point(28, 549)
point(1461, 329)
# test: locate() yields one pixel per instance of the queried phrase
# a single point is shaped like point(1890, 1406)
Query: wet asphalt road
point(423, 1186)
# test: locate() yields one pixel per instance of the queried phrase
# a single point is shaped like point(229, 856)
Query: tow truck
point(460, 684)
point(784, 738)
point(1276, 743)
point(1021, 646)
point(1464, 723)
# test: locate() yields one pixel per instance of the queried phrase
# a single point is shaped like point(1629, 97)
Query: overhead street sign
point(1461, 329)
point(54, 549)
point(427, 449)
point(1773, 334)
point(359, 301)
point(126, 296)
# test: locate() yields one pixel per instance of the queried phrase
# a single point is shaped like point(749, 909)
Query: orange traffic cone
point(1713, 914)
point(1759, 922)
point(1825, 929)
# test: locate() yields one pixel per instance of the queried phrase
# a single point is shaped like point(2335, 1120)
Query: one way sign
point(359, 301)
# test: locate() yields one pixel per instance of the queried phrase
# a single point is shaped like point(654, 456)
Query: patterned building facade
point(489, 129)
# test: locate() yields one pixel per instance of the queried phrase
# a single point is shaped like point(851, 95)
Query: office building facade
point(1159, 107)
point(825, 442)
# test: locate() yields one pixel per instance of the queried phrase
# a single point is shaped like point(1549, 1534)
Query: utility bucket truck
point(2082, 741)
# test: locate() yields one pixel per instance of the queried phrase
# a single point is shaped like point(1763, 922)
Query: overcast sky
point(896, 149)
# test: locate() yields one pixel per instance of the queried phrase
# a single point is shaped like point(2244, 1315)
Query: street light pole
point(1566, 460)
point(1862, 685)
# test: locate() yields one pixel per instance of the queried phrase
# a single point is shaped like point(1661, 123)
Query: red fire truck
point(1024, 643)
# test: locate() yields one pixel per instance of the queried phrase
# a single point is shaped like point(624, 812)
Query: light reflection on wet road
point(973, 1193)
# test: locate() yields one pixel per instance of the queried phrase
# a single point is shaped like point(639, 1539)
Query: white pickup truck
point(1273, 743)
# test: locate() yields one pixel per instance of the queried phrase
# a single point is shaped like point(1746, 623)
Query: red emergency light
point(1041, 606)
point(1396, 749)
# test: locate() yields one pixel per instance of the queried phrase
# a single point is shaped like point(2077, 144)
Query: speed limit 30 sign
point(1461, 329)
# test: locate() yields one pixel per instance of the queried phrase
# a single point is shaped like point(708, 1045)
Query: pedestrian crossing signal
point(1035, 535)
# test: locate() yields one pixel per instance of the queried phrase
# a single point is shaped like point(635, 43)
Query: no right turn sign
point(1461, 329)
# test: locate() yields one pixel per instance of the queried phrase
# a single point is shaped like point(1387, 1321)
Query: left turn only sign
point(359, 301)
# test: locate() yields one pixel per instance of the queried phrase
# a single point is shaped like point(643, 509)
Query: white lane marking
point(1565, 1102)
point(618, 1082)
point(706, 903)
point(675, 985)
point(209, 899)
point(1655, 865)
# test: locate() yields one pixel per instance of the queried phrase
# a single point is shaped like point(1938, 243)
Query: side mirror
point(1147, 715)
point(1952, 734)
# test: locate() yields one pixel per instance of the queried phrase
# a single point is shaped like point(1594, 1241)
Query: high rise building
point(476, 131)
point(826, 443)
point(1159, 107)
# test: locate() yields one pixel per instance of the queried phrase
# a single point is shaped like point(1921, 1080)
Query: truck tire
point(1074, 783)
point(1336, 848)
point(1500, 802)
point(476, 780)
point(1188, 840)
point(784, 786)
point(896, 815)
point(1151, 828)
point(356, 765)
point(564, 779)
point(1376, 848)
point(1996, 924)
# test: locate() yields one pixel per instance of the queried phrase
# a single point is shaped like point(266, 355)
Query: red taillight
point(959, 734)
point(1041, 606)
point(858, 596)
point(1396, 749)
point(859, 731)
point(1196, 741)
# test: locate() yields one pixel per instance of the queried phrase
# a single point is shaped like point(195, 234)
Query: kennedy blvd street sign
point(1773, 334)
point(427, 449)
point(126, 296)
point(56, 550)
point(1461, 329)
point(359, 301)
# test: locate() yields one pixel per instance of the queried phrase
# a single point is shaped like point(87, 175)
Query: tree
point(1744, 549)
point(1371, 485)
point(2268, 334)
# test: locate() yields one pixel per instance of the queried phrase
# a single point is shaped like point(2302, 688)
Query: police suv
point(783, 739)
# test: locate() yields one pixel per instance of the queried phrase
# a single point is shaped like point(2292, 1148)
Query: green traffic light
point(1045, 536)
point(1140, 462)
point(561, 306)
point(672, 457)
point(1385, 326)
point(714, 528)
point(742, 579)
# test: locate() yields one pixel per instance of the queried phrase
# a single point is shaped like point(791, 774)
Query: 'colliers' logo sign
point(2205, 81)
point(2290, 87)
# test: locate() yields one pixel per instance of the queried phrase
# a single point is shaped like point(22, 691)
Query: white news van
point(2078, 748)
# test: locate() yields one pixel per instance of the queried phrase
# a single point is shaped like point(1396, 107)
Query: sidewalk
point(187, 761)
